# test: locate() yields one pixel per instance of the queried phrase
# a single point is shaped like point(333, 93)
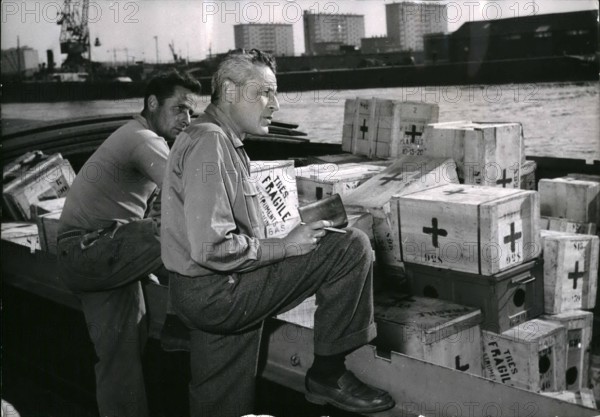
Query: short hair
point(238, 66)
point(163, 86)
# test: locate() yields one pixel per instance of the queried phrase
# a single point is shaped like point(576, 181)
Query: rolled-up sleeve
point(217, 239)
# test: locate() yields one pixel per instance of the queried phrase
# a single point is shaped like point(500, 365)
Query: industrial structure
point(20, 61)
point(275, 38)
point(329, 33)
point(407, 23)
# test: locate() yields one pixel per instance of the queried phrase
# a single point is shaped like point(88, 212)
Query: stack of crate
point(571, 206)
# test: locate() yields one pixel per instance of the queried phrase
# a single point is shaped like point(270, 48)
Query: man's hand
point(304, 238)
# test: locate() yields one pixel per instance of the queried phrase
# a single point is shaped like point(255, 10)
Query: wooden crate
point(528, 178)
point(28, 185)
point(433, 330)
point(595, 376)
point(506, 299)
point(21, 233)
point(407, 174)
point(275, 182)
point(531, 356)
point(385, 128)
point(570, 271)
point(485, 153)
point(318, 181)
point(346, 158)
point(303, 314)
point(566, 225)
point(48, 231)
point(469, 228)
point(579, 340)
point(570, 198)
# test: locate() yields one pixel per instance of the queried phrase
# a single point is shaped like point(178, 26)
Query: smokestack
point(50, 59)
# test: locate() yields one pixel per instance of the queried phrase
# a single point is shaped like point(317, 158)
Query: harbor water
point(559, 119)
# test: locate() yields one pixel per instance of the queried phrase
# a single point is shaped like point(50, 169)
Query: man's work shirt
point(116, 182)
point(211, 219)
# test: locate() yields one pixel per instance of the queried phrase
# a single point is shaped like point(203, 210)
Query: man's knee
point(359, 242)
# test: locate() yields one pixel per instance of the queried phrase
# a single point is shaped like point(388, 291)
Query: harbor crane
point(75, 33)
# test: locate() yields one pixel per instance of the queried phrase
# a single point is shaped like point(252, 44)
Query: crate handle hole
point(519, 297)
point(544, 364)
point(572, 374)
point(431, 292)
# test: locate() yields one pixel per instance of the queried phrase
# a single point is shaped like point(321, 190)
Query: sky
point(127, 28)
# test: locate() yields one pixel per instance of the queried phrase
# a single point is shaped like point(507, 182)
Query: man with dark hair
point(105, 245)
point(227, 278)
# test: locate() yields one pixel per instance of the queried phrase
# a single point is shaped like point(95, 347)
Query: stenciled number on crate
point(387, 180)
point(412, 151)
point(504, 181)
point(575, 275)
point(458, 366)
point(434, 232)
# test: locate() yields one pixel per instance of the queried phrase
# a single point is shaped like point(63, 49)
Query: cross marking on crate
point(512, 237)
point(413, 133)
point(459, 191)
point(575, 275)
point(390, 179)
point(458, 365)
point(504, 180)
point(434, 232)
point(364, 128)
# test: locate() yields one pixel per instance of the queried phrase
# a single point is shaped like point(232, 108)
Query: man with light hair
point(227, 277)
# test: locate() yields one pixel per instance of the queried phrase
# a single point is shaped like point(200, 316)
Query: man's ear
point(152, 102)
point(229, 92)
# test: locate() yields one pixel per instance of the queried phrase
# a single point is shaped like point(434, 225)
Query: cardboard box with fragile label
point(506, 299)
point(579, 339)
point(469, 228)
point(385, 128)
point(50, 178)
point(570, 198)
point(485, 153)
point(530, 356)
point(278, 195)
point(433, 330)
point(405, 175)
point(570, 271)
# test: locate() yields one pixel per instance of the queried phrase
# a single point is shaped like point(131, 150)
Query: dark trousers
point(225, 313)
point(106, 278)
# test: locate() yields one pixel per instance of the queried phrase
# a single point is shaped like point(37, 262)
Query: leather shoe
point(349, 394)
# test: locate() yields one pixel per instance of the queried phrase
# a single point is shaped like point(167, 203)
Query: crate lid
point(432, 318)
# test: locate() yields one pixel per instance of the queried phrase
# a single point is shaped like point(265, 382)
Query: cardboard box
point(385, 128)
point(485, 153)
point(506, 299)
point(435, 331)
point(570, 198)
point(27, 185)
point(278, 195)
point(579, 340)
point(530, 356)
point(48, 231)
point(570, 271)
point(407, 174)
point(318, 181)
point(469, 228)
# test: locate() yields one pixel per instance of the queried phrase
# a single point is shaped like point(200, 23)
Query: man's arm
point(150, 158)
point(209, 185)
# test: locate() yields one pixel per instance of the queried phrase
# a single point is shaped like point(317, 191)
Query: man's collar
point(226, 124)
point(142, 120)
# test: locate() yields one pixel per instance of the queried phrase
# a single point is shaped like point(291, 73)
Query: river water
point(559, 119)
